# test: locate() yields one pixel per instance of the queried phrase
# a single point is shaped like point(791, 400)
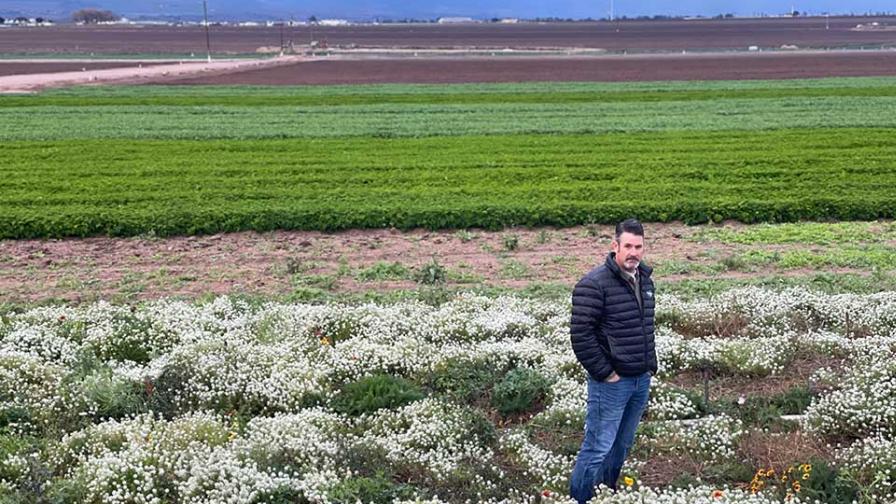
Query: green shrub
point(282, 496)
point(511, 242)
point(434, 295)
point(462, 380)
point(521, 390)
point(431, 273)
point(464, 235)
point(826, 484)
point(766, 411)
point(373, 489)
point(107, 396)
point(14, 416)
point(375, 392)
point(67, 491)
point(10, 446)
point(384, 271)
point(25, 477)
point(728, 472)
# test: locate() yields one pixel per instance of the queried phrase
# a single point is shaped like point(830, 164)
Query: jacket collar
point(643, 270)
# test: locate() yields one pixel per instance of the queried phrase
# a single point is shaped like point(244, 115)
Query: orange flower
point(717, 494)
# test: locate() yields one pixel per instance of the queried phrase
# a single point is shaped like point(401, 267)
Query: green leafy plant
point(384, 271)
point(462, 380)
point(373, 489)
point(465, 236)
point(521, 390)
point(431, 273)
point(511, 242)
point(375, 392)
point(109, 397)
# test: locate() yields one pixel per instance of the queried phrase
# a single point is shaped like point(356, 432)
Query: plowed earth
point(600, 68)
point(668, 35)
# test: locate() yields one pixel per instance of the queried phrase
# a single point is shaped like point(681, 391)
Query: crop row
point(126, 187)
point(553, 88)
point(445, 119)
point(245, 97)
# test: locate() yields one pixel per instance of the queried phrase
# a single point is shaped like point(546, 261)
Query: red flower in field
point(717, 494)
point(546, 493)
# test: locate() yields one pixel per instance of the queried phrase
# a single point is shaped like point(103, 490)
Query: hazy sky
point(369, 9)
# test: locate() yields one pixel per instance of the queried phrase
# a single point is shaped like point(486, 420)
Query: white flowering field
point(477, 400)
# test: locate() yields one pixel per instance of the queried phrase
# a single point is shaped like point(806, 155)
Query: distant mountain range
point(365, 10)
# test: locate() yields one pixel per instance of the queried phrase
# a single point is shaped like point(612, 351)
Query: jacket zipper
point(643, 327)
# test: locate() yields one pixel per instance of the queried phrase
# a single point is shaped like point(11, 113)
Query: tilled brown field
point(640, 36)
point(601, 68)
point(27, 68)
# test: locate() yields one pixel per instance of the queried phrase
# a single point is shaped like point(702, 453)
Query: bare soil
point(641, 36)
point(37, 67)
point(778, 451)
point(731, 387)
point(278, 263)
point(298, 70)
point(582, 68)
point(758, 449)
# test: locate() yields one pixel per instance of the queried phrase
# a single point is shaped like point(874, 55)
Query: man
point(612, 336)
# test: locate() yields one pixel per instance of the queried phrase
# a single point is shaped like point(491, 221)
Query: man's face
point(629, 250)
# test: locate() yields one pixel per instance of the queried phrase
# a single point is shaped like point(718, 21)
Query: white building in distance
point(455, 20)
point(333, 22)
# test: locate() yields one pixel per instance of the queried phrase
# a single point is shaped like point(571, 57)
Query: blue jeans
point(614, 410)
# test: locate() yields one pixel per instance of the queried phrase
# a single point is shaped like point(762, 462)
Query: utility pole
point(611, 11)
point(208, 41)
point(281, 36)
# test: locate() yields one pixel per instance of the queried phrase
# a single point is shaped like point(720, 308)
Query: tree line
point(92, 16)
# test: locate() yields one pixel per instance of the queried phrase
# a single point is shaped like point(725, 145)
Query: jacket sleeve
point(587, 310)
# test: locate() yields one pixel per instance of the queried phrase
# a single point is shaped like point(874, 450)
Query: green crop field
point(184, 160)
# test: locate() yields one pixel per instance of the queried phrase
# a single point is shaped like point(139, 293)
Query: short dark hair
point(632, 226)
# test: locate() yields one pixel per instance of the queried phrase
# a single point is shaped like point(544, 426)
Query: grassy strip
point(417, 120)
point(849, 256)
point(830, 283)
point(245, 97)
point(879, 83)
point(817, 233)
point(127, 187)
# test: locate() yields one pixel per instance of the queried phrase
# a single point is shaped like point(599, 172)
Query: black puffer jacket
point(609, 331)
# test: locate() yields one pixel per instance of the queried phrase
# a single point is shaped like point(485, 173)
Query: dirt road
point(30, 82)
